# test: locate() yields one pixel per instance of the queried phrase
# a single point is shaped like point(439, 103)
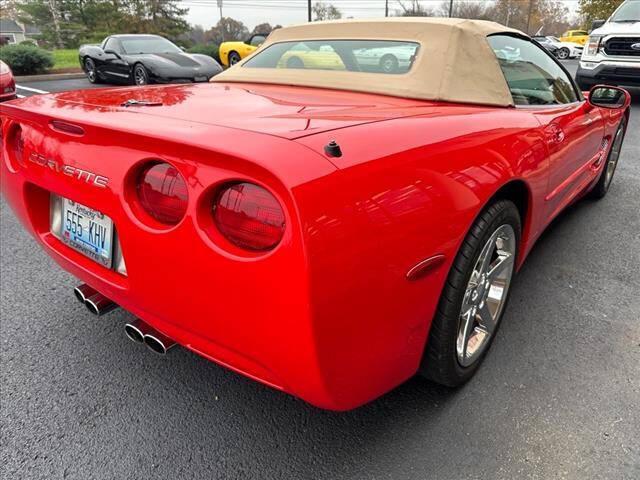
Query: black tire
point(234, 57)
point(389, 63)
point(440, 360)
point(609, 169)
point(140, 75)
point(295, 62)
point(564, 53)
point(90, 71)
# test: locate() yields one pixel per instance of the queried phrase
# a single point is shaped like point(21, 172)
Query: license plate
point(88, 231)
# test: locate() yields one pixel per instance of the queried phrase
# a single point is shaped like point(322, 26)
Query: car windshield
point(628, 12)
point(371, 56)
point(553, 39)
point(134, 46)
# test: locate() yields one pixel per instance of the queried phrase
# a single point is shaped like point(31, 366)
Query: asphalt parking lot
point(558, 397)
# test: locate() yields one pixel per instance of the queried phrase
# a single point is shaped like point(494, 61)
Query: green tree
point(71, 22)
point(591, 10)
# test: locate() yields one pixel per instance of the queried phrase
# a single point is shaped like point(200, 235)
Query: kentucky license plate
point(88, 231)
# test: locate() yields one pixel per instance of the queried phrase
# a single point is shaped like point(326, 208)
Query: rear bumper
point(608, 72)
point(251, 315)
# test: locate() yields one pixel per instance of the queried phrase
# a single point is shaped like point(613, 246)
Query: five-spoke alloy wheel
point(140, 75)
point(474, 297)
point(485, 295)
point(90, 70)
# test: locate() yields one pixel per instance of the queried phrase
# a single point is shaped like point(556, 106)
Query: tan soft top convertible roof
point(455, 63)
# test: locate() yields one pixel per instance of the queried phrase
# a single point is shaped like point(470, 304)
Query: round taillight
point(249, 216)
point(162, 193)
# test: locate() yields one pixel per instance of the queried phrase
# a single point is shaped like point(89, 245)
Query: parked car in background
point(389, 59)
point(575, 36)
point(547, 45)
point(563, 50)
point(144, 59)
point(7, 83)
point(328, 233)
point(612, 55)
point(232, 52)
point(303, 56)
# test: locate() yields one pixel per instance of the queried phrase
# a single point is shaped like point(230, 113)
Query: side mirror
point(609, 97)
point(112, 52)
point(597, 24)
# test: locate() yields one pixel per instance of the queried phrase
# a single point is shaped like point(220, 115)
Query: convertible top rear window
point(371, 56)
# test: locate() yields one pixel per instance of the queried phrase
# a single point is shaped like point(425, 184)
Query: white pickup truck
point(612, 54)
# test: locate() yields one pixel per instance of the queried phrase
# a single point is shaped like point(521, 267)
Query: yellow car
point(232, 52)
point(580, 37)
point(302, 57)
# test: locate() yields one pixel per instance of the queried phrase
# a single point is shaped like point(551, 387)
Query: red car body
point(330, 314)
point(7, 83)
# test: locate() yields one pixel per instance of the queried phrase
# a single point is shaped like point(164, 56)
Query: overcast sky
point(287, 12)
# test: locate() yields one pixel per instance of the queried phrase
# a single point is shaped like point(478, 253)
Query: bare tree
point(325, 11)
point(227, 29)
point(466, 9)
point(414, 9)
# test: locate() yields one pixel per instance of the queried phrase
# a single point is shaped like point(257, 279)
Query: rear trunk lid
point(287, 112)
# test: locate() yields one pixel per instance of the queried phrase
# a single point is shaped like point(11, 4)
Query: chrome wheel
point(389, 64)
point(486, 295)
point(140, 75)
point(90, 69)
point(614, 155)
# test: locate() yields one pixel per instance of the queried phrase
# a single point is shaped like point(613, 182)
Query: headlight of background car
point(593, 45)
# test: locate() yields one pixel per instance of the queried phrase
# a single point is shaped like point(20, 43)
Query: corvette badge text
point(74, 172)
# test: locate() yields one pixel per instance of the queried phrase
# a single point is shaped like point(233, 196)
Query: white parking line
point(29, 89)
point(19, 96)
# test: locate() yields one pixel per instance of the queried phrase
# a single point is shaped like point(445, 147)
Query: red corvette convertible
point(330, 226)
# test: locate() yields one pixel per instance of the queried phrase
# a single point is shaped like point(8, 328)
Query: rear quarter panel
point(407, 189)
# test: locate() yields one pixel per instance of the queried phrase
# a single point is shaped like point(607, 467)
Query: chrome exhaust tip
point(84, 291)
point(158, 342)
point(135, 330)
point(99, 305)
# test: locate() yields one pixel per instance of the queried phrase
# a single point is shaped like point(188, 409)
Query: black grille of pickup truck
point(621, 72)
point(621, 46)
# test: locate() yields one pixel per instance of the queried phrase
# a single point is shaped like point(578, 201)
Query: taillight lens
point(249, 216)
point(162, 193)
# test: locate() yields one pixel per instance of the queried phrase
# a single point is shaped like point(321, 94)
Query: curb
point(49, 76)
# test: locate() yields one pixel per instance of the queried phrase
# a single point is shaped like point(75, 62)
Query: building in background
point(13, 31)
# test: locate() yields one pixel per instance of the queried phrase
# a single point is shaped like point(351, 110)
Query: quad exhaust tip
point(136, 331)
point(95, 302)
point(139, 332)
